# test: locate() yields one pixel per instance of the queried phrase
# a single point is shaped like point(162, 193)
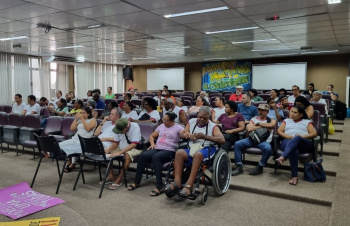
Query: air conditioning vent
point(64, 60)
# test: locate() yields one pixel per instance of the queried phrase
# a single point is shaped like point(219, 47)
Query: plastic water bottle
point(348, 113)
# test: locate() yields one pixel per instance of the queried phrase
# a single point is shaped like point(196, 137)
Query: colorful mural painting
point(225, 76)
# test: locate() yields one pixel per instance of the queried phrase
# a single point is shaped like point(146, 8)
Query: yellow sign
point(52, 221)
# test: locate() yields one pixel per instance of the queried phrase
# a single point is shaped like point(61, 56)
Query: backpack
point(340, 110)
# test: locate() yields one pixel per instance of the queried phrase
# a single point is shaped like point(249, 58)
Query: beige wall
point(321, 70)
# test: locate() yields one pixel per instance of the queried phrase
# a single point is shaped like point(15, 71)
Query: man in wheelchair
point(203, 135)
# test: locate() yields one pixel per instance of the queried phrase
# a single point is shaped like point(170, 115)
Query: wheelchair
point(219, 167)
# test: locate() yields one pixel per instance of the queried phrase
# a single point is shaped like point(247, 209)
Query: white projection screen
point(174, 78)
point(277, 76)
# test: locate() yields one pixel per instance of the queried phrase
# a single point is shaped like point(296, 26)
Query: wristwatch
point(257, 124)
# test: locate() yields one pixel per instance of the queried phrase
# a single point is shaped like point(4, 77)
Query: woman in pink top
point(163, 151)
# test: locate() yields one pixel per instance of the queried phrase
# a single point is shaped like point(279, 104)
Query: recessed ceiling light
point(230, 30)
point(265, 40)
point(185, 47)
point(109, 53)
point(324, 51)
point(261, 50)
point(283, 54)
point(94, 26)
point(70, 47)
point(334, 1)
point(13, 38)
point(143, 58)
point(196, 12)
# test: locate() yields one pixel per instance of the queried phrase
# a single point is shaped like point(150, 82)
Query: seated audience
point(254, 94)
point(329, 91)
point(89, 94)
point(199, 131)
point(72, 97)
point(296, 93)
point(58, 96)
point(99, 103)
point(127, 136)
point(317, 98)
point(107, 111)
point(200, 102)
point(127, 98)
point(274, 112)
point(303, 102)
point(85, 125)
point(43, 102)
point(165, 89)
point(246, 108)
point(260, 121)
point(180, 104)
point(238, 95)
point(220, 108)
point(167, 135)
point(232, 123)
point(150, 113)
point(310, 90)
point(102, 98)
point(78, 105)
point(282, 92)
point(274, 94)
point(158, 97)
point(109, 94)
point(169, 106)
point(133, 95)
point(203, 94)
point(297, 132)
point(18, 106)
point(129, 112)
point(68, 98)
point(92, 104)
point(283, 103)
point(61, 109)
point(32, 107)
point(168, 94)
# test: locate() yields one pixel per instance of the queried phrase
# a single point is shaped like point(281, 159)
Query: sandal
point(155, 192)
point(182, 195)
point(293, 181)
point(114, 186)
point(132, 187)
point(107, 182)
point(171, 191)
point(280, 160)
point(69, 168)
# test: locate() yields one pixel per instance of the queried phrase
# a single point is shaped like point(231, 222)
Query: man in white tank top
point(256, 122)
point(169, 105)
point(202, 131)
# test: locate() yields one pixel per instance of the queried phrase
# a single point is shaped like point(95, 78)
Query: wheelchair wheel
point(221, 172)
point(205, 195)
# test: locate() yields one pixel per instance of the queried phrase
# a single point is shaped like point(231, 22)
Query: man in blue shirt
point(99, 103)
point(329, 91)
point(274, 112)
point(247, 109)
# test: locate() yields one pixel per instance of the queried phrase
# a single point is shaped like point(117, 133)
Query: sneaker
point(257, 170)
point(238, 170)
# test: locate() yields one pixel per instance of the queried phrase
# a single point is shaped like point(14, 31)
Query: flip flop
point(107, 182)
point(293, 181)
point(133, 187)
point(114, 186)
point(156, 193)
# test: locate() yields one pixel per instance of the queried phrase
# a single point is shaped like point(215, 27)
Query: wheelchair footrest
point(192, 196)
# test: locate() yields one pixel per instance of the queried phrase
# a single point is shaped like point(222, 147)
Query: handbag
point(195, 147)
point(313, 171)
point(331, 129)
point(140, 145)
point(260, 135)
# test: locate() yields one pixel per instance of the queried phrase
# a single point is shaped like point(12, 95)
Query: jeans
point(291, 149)
point(157, 158)
point(43, 123)
point(247, 143)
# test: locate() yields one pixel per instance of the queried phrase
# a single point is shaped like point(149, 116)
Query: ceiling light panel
point(197, 12)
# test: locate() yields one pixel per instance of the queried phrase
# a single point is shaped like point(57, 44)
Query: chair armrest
point(242, 134)
point(70, 135)
point(276, 143)
point(58, 132)
point(317, 141)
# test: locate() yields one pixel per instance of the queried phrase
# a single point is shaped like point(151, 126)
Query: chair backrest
point(193, 115)
point(66, 123)
point(327, 97)
point(256, 104)
point(188, 93)
point(285, 113)
point(1, 108)
point(137, 103)
point(307, 96)
point(227, 96)
point(54, 123)
point(319, 107)
point(92, 145)
point(3, 118)
point(48, 144)
point(146, 128)
point(7, 108)
point(15, 120)
point(317, 121)
point(177, 94)
point(32, 121)
point(119, 101)
point(99, 111)
point(187, 103)
point(117, 95)
point(264, 96)
point(108, 101)
point(216, 94)
point(184, 97)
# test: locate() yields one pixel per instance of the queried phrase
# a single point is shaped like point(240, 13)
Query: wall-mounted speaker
point(127, 73)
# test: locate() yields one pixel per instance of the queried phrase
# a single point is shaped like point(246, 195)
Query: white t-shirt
point(219, 112)
point(158, 100)
point(255, 120)
point(300, 127)
point(134, 136)
point(153, 114)
point(132, 114)
point(19, 108)
point(36, 108)
point(185, 108)
point(106, 131)
point(177, 111)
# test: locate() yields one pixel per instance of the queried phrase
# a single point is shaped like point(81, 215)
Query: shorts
point(132, 153)
point(204, 152)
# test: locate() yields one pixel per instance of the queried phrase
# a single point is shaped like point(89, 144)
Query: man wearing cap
point(181, 118)
point(260, 121)
point(246, 108)
point(238, 95)
point(127, 136)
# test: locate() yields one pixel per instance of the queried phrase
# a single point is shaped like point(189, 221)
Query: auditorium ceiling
point(141, 32)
